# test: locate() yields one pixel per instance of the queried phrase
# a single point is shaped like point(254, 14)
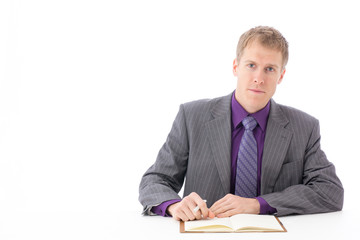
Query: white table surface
point(131, 224)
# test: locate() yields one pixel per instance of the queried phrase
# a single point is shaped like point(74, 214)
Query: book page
point(215, 224)
point(254, 222)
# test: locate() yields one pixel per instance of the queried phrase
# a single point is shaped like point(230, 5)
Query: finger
point(178, 214)
point(211, 214)
point(197, 212)
point(228, 213)
point(201, 208)
point(176, 218)
point(189, 212)
point(181, 211)
point(204, 211)
point(219, 203)
point(183, 216)
point(216, 207)
point(226, 206)
point(188, 207)
point(221, 210)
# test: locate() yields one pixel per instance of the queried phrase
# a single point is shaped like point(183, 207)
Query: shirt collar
point(239, 113)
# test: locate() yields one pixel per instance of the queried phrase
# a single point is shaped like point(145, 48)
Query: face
point(258, 73)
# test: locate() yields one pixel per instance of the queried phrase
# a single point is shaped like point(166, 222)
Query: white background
point(89, 89)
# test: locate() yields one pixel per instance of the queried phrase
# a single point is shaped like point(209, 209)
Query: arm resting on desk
point(321, 190)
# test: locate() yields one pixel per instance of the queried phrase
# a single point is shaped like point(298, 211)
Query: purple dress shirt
point(238, 114)
point(237, 131)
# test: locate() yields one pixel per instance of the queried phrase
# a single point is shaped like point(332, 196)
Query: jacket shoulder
point(298, 119)
point(203, 106)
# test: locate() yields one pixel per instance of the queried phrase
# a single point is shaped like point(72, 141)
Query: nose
point(259, 77)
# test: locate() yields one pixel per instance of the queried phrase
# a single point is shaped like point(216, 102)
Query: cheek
point(244, 78)
point(271, 87)
point(272, 82)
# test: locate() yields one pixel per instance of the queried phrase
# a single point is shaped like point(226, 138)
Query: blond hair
point(268, 37)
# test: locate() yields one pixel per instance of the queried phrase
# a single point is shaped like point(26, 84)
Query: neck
point(248, 107)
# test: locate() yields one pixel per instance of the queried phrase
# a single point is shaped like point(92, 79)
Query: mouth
point(258, 91)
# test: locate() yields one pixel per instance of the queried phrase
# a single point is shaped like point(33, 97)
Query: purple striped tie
point(246, 171)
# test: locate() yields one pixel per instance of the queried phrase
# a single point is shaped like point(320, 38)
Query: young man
point(243, 153)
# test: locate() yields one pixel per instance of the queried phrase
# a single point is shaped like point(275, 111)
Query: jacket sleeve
point(164, 179)
point(320, 191)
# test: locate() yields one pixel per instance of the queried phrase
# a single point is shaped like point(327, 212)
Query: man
point(243, 153)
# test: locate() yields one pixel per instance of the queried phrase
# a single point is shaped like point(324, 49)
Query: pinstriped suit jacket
point(296, 176)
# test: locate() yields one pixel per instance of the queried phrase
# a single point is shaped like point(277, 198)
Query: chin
point(258, 105)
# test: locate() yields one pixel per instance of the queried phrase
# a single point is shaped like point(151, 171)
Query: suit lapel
point(277, 140)
point(219, 135)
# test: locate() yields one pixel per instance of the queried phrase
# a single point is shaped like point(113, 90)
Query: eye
point(270, 69)
point(251, 65)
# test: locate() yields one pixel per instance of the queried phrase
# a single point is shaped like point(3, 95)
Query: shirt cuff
point(161, 208)
point(265, 208)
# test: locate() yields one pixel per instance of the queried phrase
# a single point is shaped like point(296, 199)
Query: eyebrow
point(273, 66)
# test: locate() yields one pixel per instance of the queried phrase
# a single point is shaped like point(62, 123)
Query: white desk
point(131, 225)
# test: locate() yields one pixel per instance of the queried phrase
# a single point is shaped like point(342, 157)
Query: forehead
point(256, 52)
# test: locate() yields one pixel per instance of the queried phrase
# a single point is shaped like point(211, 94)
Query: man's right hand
point(184, 210)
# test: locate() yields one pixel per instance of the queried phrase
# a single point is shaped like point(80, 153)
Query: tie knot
point(249, 123)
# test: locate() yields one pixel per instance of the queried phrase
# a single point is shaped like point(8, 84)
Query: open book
point(236, 223)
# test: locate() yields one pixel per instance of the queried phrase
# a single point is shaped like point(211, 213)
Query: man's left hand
point(232, 204)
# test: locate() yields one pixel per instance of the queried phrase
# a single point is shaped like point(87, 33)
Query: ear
point(235, 67)
point(282, 76)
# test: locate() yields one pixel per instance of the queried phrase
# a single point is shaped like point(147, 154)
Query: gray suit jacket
point(296, 176)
